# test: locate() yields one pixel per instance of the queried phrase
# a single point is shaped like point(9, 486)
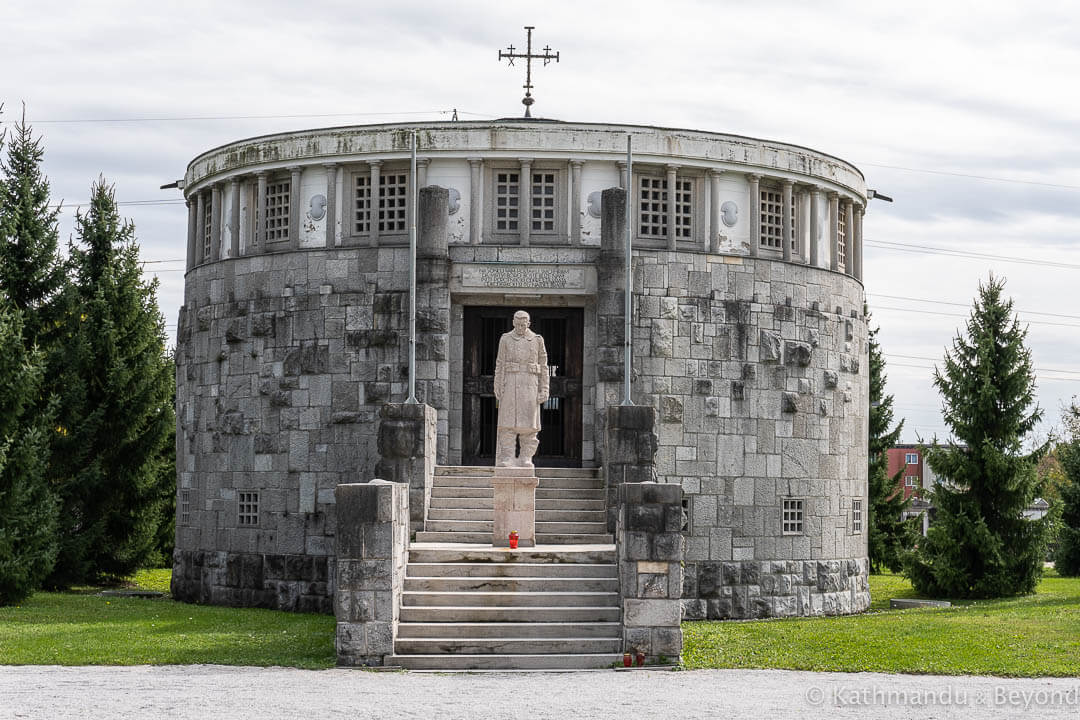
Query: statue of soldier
point(521, 387)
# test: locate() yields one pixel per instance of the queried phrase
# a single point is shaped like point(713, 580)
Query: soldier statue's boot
point(529, 443)
point(504, 450)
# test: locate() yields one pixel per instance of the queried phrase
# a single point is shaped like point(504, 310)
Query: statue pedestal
point(515, 506)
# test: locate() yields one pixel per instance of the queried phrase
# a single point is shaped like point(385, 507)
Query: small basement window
point(792, 518)
point(856, 516)
point(185, 507)
point(248, 509)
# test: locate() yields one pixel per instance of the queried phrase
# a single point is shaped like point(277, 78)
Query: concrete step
point(511, 584)
point(437, 513)
point(509, 630)
point(410, 598)
point(487, 494)
point(518, 570)
point(541, 538)
point(489, 470)
point(570, 494)
point(486, 503)
point(603, 554)
point(506, 646)
point(517, 614)
point(507, 662)
point(462, 492)
point(542, 528)
point(580, 483)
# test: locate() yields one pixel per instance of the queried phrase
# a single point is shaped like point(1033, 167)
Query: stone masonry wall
point(757, 370)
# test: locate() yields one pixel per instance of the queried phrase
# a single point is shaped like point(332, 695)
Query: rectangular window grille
point(856, 516)
point(684, 191)
point(507, 198)
point(841, 240)
point(248, 509)
point(208, 226)
point(277, 210)
point(185, 507)
point(543, 202)
point(653, 208)
point(792, 516)
point(393, 196)
point(912, 458)
point(772, 218)
point(362, 206)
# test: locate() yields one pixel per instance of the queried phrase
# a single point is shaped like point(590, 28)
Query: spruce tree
point(31, 273)
point(1067, 557)
point(116, 412)
point(980, 545)
point(889, 536)
point(27, 505)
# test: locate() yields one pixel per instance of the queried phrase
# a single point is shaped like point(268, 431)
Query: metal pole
point(629, 290)
point(412, 274)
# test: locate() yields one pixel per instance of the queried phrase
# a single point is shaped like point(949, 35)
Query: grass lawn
point(83, 628)
point(1031, 636)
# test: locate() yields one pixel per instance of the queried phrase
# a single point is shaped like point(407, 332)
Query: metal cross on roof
point(529, 57)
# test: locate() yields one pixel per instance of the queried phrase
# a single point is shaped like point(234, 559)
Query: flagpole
point(412, 274)
point(628, 309)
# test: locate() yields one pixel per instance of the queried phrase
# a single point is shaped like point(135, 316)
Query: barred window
point(792, 519)
point(507, 197)
point(362, 205)
point(771, 211)
point(247, 509)
point(393, 196)
point(208, 225)
point(684, 192)
point(277, 210)
point(856, 516)
point(653, 208)
point(543, 202)
point(841, 240)
point(185, 507)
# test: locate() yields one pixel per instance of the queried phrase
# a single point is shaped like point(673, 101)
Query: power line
point(958, 315)
point(951, 173)
point(929, 250)
point(967, 304)
point(937, 360)
point(199, 118)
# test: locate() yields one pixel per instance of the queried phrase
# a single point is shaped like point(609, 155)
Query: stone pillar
point(475, 202)
point(621, 165)
point(372, 552)
point(373, 231)
point(215, 222)
point(610, 304)
point(432, 216)
point(815, 226)
point(802, 225)
point(755, 213)
point(849, 237)
point(331, 204)
point(200, 227)
point(406, 445)
point(857, 243)
point(575, 201)
point(192, 234)
point(234, 217)
point(294, 207)
point(630, 444)
point(649, 543)
point(786, 228)
point(260, 212)
point(514, 503)
point(834, 230)
point(672, 179)
point(433, 307)
point(713, 244)
point(421, 171)
point(525, 200)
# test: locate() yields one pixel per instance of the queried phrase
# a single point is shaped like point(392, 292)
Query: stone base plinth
point(515, 506)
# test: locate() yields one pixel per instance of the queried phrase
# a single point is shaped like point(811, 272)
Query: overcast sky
point(965, 112)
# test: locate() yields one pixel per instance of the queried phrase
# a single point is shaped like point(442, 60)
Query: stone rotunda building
point(749, 345)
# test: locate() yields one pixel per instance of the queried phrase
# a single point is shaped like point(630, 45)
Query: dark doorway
point(560, 417)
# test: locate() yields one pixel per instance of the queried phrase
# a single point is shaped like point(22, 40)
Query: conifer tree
point(27, 505)
point(31, 273)
point(889, 536)
point(116, 411)
point(980, 545)
point(1067, 557)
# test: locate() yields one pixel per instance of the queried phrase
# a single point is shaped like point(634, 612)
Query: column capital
point(672, 168)
point(261, 173)
point(817, 189)
point(621, 164)
point(375, 163)
point(331, 165)
point(753, 177)
point(832, 195)
point(859, 207)
point(714, 173)
point(422, 161)
point(294, 168)
point(475, 161)
point(234, 180)
point(576, 163)
point(784, 182)
point(526, 160)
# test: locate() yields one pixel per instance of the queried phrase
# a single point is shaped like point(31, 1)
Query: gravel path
point(206, 691)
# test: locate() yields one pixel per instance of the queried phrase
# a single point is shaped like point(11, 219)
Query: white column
point(857, 242)
point(621, 165)
point(525, 200)
point(802, 203)
point(849, 237)
point(373, 230)
point(260, 212)
point(755, 213)
point(215, 222)
point(786, 219)
point(834, 230)
point(294, 207)
point(815, 225)
point(713, 243)
point(474, 199)
point(575, 201)
point(192, 235)
point(234, 219)
point(421, 172)
point(672, 178)
point(331, 204)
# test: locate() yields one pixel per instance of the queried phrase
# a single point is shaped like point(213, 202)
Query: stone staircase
point(569, 507)
point(469, 606)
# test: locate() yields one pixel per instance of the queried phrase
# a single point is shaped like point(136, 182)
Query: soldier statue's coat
point(521, 380)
